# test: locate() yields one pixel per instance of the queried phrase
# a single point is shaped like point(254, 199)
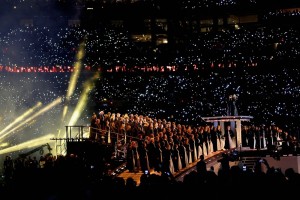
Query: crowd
point(53, 49)
point(175, 89)
point(69, 178)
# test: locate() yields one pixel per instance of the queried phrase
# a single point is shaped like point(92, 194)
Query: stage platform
point(213, 157)
point(242, 156)
point(102, 156)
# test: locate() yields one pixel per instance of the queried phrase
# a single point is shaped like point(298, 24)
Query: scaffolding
point(73, 133)
point(79, 133)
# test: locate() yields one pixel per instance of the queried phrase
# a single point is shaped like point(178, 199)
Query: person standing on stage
point(93, 127)
point(228, 137)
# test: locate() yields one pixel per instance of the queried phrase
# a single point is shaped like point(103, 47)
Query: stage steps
point(249, 162)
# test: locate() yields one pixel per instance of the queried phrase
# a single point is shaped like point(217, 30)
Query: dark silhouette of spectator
point(201, 165)
point(293, 178)
point(8, 167)
point(225, 166)
point(131, 185)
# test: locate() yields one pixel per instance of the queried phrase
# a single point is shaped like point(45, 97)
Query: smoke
point(23, 91)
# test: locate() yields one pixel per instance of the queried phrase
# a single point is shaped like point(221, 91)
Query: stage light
point(74, 77)
point(27, 120)
point(20, 118)
point(27, 145)
point(87, 87)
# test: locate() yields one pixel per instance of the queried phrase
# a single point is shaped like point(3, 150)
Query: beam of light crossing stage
point(74, 77)
point(28, 144)
point(43, 110)
point(21, 118)
point(83, 99)
point(25, 125)
point(4, 144)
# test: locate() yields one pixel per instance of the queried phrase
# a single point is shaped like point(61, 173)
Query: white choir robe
point(108, 137)
point(211, 147)
point(204, 149)
point(219, 146)
point(195, 153)
point(186, 159)
point(254, 143)
point(264, 142)
point(190, 157)
point(232, 143)
point(222, 143)
point(179, 162)
point(171, 165)
point(208, 148)
point(199, 151)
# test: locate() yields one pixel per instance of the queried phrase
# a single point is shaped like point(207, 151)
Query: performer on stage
point(93, 128)
point(231, 106)
point(228, 138)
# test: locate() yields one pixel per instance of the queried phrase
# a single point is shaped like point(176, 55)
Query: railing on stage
point(74, 133)
point(237, 124)
point(79, 133)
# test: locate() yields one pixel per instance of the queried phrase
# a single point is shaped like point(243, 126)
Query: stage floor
point(211, 160)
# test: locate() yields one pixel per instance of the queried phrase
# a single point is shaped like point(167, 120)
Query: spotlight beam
point(27, 144)
point(21, 118)
point(83, 99)
point(48, 107)
point(74, 76)
point(88, 86)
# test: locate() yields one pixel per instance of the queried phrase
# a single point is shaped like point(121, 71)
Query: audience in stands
point(179, 138)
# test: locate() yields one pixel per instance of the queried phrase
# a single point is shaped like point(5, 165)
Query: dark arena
point(158, 98)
